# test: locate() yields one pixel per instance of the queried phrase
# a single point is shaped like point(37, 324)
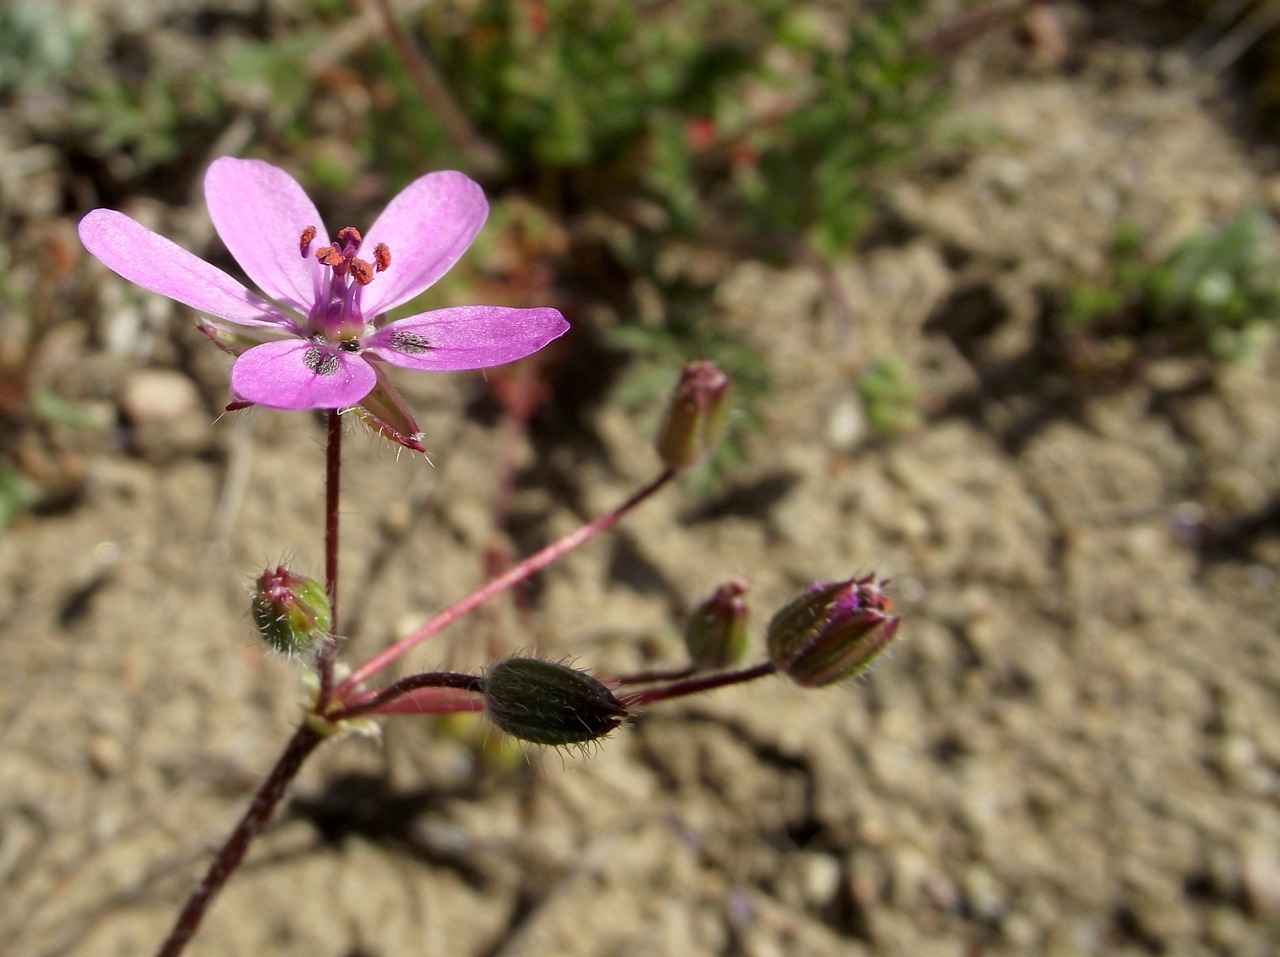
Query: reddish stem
point(304, 741)
point(398, 689)
point(514, 575)
point(649, 677)
point(432, 701)
point(332, 486)
point(679, 689)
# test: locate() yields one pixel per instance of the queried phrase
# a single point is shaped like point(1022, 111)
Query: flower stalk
point(319, 338)
point(512, 576)
point(304, 741)
point(332, 490)
point(684, 688)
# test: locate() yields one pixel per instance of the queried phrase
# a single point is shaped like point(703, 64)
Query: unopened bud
point(545, 702)
point(291, 611)
point(832, 632)
point(695, 419)
point(232, 343)
point(716, 635)
point(384, 411)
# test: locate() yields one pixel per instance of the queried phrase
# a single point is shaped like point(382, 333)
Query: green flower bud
point(695, 419)
point(291, 611)
point(832, 632)
point(716, 634)
point(545, 702)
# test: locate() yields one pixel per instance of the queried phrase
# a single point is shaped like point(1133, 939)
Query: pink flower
point(328, 296)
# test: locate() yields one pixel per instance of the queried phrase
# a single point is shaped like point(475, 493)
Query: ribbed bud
point(384, 411)
point(291, 612)
point(832, 632)
point(232, 343)
point(695, 419)
point(716, 634)
point(545, 702)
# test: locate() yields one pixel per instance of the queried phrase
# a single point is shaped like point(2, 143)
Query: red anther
point(361, 271)
point(330, 256)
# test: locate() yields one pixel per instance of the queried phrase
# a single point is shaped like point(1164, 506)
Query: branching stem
point(512, 576)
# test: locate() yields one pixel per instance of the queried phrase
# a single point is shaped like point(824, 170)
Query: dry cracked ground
point(1074, 749)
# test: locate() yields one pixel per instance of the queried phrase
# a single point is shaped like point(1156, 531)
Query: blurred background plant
point(1221, 287)
point(36, 50)
point(1216, 293)
point(641, 148)
point(661, 134)
point(653, 135)
point(890, 397)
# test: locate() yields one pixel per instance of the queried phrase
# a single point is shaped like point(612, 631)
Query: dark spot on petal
point(381, 256)
point(410, 342)
point(320, 361)
point(349, 345)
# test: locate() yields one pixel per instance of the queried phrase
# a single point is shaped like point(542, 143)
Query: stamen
point(349, 235)
point(382, 256)
point(304, 243)
point(330, 256)
point(361, 271)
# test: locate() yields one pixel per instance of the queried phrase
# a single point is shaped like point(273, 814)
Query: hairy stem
point(304, 741)
point(650, 677)
point(332, 487)
point(679, 689)
point(398, 689)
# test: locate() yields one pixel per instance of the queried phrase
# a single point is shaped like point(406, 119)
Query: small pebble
point(984, 894)
point(1261, 878)
point(158, 396)
point(106, 755)
point(821, 879)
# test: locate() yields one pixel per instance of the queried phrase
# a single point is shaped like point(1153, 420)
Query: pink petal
point(156, 263)
point(260, 212)
point(466, 337)
point(296, 374)
point(427, 228)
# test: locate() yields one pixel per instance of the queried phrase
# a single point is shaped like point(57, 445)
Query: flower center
point(336, 316)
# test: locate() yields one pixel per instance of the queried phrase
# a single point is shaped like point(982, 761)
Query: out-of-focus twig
point(1236, 42)
point(485, 160)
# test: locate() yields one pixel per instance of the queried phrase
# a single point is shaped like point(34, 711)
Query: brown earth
point(1074, 750)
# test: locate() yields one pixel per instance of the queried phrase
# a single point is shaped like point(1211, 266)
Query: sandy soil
point(1074, 750)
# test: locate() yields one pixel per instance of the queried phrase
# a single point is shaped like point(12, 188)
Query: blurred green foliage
point(890, 397)
point(1223, 286)
point(134, 115)
point(756, 128)
point(763, 117)
point(762, 127)
point(1218, 291)
point(1088, 302)
point(36, 49)
point(152, 119)
point(18, 493)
